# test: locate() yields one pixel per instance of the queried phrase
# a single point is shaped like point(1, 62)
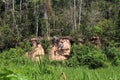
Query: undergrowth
point(16, 66)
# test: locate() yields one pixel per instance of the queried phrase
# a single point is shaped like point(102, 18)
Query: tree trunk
point(74, 15)
point(46, 23)
point(71, 14)
point(49, 8)
point(36, 17)
point(6, 10)
point(13, 13)
point(80, 11)
point(48, 16)
point(20, 9)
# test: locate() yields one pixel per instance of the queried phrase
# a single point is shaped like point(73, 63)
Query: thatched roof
point(66, 37)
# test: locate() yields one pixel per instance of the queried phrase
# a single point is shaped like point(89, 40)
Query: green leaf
point(3, 0)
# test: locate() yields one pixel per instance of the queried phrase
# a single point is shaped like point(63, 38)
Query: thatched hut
point(60, 49)
point(37, 50)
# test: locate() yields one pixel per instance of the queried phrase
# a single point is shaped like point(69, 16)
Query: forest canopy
point(21, 19)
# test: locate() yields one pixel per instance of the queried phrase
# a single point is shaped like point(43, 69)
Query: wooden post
point(62, 75)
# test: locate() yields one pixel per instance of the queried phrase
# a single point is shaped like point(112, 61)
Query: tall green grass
point(15, 66)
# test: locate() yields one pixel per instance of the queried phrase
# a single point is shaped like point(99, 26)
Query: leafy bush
point(13, 52)
point(96, 29)
point(10, 75)
point(8, 38)
point(13, 55)
point(15, 60)
point(87, 55)
point(26, 45)
point(113, 55)
point(46, 45)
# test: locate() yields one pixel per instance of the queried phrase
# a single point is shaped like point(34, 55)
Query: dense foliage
point(17, 67)
point(22, 19)
point(87, 55)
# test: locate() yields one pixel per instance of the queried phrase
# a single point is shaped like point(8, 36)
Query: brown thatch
point(60, 50)
point(66, 37)
point(37, 50)
point(36, 53)
point(95, 40)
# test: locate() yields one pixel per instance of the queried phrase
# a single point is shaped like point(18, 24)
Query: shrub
point(8, 38)
point(87, 55)
point(26, 45)
point(113, 55)
point(13, 55)
point(46, 45)
point(96, 29)
point(6, 74)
